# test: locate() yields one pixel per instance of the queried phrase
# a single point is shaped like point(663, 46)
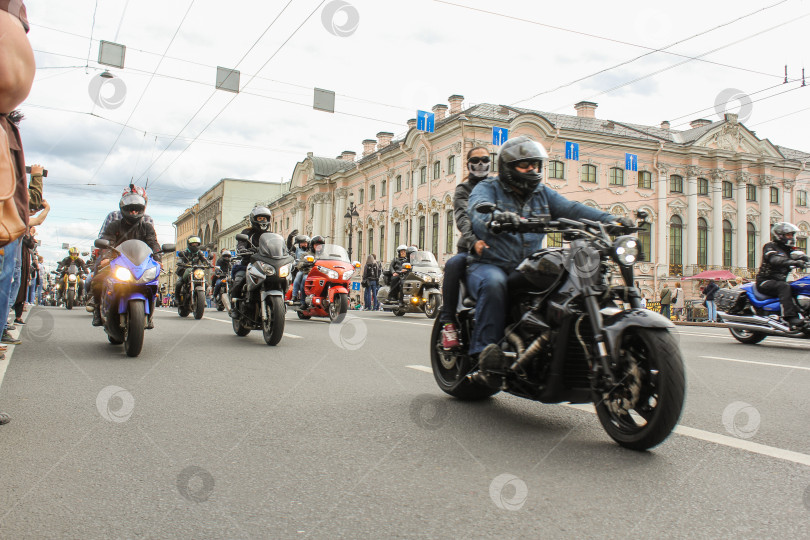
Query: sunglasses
point(261, 219)
point(477, 160)
point(528, 165)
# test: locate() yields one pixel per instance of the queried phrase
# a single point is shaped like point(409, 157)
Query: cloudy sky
point(163, 119)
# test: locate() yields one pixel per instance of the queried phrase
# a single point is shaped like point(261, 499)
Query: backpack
point(11, 225)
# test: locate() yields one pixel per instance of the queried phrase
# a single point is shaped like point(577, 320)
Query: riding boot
point(97, 317)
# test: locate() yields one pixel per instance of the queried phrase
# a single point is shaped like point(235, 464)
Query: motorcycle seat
point(466, 301)
point(759, 295)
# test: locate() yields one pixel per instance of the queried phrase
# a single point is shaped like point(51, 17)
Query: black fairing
point(272, 245)
point(543, 267)
point(135, 250)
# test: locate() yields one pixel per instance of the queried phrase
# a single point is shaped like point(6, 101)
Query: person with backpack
point(666, 300)
point(371, 280)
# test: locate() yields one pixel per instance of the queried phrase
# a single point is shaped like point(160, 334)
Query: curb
point(707, 324)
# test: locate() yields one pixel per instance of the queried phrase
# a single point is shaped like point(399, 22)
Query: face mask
point(478, 170)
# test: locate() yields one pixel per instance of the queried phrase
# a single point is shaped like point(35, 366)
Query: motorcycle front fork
point(601, 369)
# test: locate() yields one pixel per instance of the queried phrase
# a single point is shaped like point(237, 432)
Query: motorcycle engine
point(803, 301)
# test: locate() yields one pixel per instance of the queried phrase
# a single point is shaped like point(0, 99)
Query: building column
point(765, 183)
point(662, 251)
point(787, 200)
point(300, 216)
point(326, 217)
point(442, 233)
point(317, 207)
point(716, 246)
point(340, 210)
point(691, 247)
point(742, 222)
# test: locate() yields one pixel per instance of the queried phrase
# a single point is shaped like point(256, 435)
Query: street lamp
point(350, 214)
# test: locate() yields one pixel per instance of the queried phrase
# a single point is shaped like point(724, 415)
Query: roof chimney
point(586, 109)
point(699, 123)
point(347, 155)
point(384, 139)
point(412, 123)
point(455, 103)
point(665, 124)
point(368, 146)
point(439, 111)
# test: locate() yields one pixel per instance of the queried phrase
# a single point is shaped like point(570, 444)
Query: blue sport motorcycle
point(751, 315)
point(129, 292)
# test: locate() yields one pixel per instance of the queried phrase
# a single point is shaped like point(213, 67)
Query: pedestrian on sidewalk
point(666, 300)
point(678, 301)
point(371, 278)
point(709, 291)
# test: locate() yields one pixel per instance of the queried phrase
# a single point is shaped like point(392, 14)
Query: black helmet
point(410, 250)
point(784, 233)
point(316, 240)
point(258, 212)
point(514, 151)
point(302, 238)
point(132, 206)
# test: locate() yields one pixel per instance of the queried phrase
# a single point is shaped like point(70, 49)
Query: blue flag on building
point(499, 135)
point(631, 162)
point(572, 150)
point(424, 121)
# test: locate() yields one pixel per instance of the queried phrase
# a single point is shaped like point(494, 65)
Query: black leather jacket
point(460, 199)
point(396, 265)
point(119, 231)
point(253, 237)
point(776, 262)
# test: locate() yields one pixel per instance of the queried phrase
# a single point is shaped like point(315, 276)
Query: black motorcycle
point(420, 287)
point(195, 289)
point(222, 301)
point(261, 303)
point(570, 342)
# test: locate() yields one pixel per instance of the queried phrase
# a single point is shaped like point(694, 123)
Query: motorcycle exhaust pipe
point(226, 301)
point(759, 323)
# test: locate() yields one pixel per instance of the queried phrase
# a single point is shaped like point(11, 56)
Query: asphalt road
point(341, 432)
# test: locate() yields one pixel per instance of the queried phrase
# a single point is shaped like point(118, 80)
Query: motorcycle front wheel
point(451, 366)
point(273, 326)
point(199, 306)
point(644, 407)
point(133, 343)
point(71, 296)
point(338, 308)
point(433, 306)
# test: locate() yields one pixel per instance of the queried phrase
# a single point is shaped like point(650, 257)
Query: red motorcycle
point(326, 286)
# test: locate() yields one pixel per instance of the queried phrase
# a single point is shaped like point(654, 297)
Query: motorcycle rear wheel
point(238, 328)
point(115, 334)
point(273, 327)
point(338, 308)
point(652, 359)
point(199, 306)
point(448, 367)
point(133, 342)
point(302, 316)
point(182, 310)
point(749, 338)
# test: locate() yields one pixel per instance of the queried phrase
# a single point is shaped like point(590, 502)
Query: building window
point(406, 238)
point(589, 173)
point(396, 237)
point(774, 195)
point(645, 180)
point(801, 198)
point(645, 238)
point(421, 243)
point(728, 190)
point(750, 192)
point(382, 242)
point(437, 170)
point(423, 174)
point(556, 169)
point(362, 195)
point(676, 241)
point(676, 184)
point(451, 165)
point(727, 243)
point(703, 186)
point(372, 192)
point(371, 240)
point(359, 246)
point(616, 176)
point(382, 188)
point(450, 231)
point(801, 242)
point(434, 243)
point(493, 159)
point(288, 223)
point(398, 184)
point(554, 239)
point(752, 246)
point(703, 242)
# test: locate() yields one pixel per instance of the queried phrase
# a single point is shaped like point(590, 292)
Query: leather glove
point(626, 222)
point(506, 217)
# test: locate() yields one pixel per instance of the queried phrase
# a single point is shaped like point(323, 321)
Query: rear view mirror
point(101, 243)
point(168, 248)
point(242, 238)
point(485, 208)
point(85, 253)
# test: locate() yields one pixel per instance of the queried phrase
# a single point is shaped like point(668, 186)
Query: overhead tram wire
point(662, 49)
point(256, 42)
point(135, 108)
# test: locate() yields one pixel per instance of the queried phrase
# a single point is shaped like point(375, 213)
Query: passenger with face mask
point(455, 269)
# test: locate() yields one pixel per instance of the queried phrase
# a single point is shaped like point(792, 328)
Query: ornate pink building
point(711, 191)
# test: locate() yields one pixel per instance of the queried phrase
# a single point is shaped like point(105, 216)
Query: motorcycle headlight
point(123, 274)
point(199, 273)
point(328, 272)
point(284, 271)
point(626, 250)
point(347, 275)
point(268, 269)
point(149, 275)
point(71, 277)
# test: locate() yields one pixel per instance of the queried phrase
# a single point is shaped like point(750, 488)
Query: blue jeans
point(8, 261)
point(298, 286)
point(38, 295)
point(454, 270)
point(32, 293)
point(712, 308)
point(371, 295)
point(15, 284)
point(487, 284)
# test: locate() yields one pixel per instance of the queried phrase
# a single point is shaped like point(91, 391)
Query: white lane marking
point(394, 321)
point(708, 436)
point(796, 342)
point(285, 334)
point(769, 364)
point(421, 368)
